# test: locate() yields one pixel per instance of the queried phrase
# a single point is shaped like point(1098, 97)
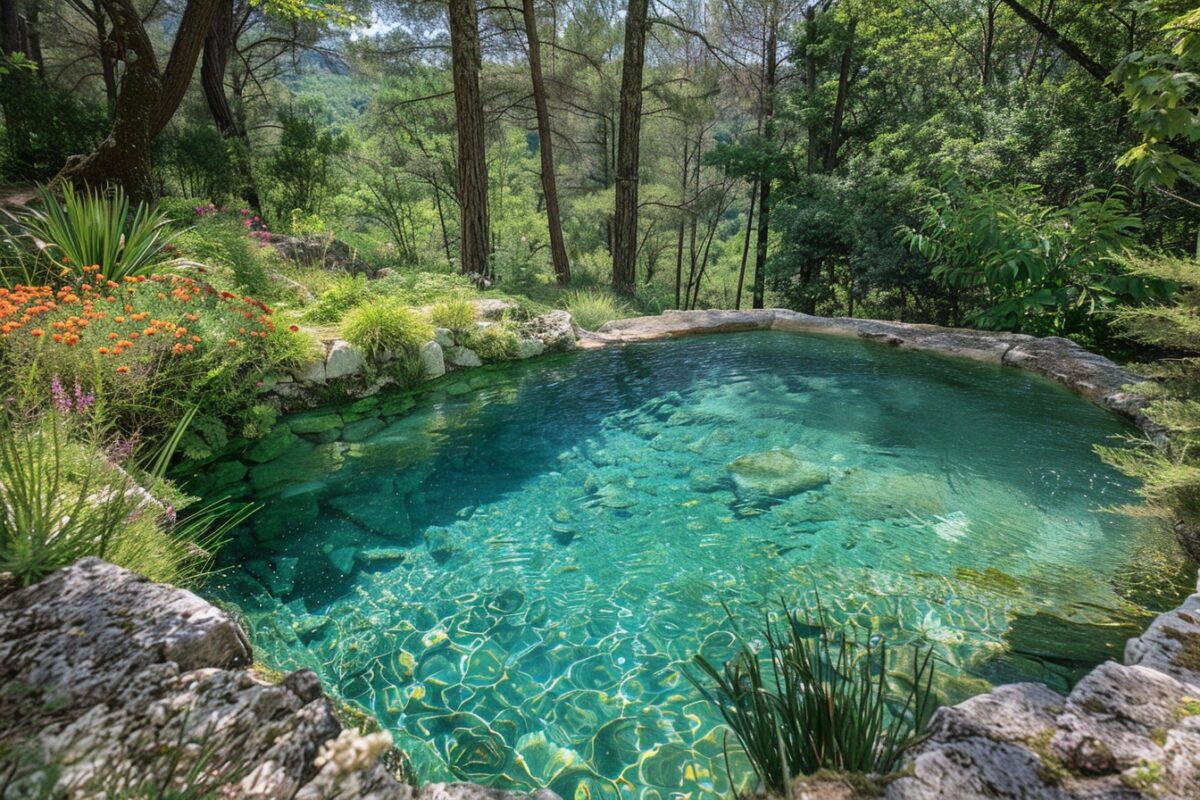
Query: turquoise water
point(511, 568)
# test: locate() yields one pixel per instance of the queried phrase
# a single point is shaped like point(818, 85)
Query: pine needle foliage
point(1168, 465)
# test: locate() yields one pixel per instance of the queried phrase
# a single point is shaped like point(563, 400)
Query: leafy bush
point(496, 342)
point(593, 307)
point(455, 315)
point(386, 325)
point(1030, 266)
point(420, 288)
point(824, 703)
point(91, 227)
point(43, 125)
point(145, 346)
point(1169, 469)
point(220, 240)
point(334, 302)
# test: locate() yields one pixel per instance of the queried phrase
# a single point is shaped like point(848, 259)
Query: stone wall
point(109, 681)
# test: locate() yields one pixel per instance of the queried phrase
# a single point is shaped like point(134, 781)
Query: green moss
point(1144, 777)
point(1159, 736)
point(1188, 655)
point(1051, 770)
point(1189, 708)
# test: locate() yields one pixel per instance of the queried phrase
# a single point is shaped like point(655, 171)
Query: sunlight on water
point(511, 573)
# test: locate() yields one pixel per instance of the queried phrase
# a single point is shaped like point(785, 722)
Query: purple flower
point(62, 401)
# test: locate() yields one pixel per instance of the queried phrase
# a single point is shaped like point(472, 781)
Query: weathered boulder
point(433, 360)
point(444, 337)
point(316, 250)
point(459, 356)
point(343, 359)
point(108, 679)
point(528, 348)
point(554, 329)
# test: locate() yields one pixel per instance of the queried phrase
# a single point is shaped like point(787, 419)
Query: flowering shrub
point(145, 346)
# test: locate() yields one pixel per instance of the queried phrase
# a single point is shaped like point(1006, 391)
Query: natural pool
point(510, 568)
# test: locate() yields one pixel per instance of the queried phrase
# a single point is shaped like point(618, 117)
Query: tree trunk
point(558, 248)
point(10, 27)
point(475, 241)
point(810, 79)
point(764, 184)
point(839, 106)
point(146, 99)
point(682, 224)
point(108, 68)
point(628, 135)
point(737, 303)
point(218, 44)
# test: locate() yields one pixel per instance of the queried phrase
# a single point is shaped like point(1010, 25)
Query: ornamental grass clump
point(817, 700)
point(591, 308)
point(457, 316)
point(93, 227)
point(386, 326)
point(496, 342)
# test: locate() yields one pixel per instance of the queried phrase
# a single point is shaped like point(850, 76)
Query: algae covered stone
point(776, 473)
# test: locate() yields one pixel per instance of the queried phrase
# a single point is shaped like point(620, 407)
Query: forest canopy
point(989, 163)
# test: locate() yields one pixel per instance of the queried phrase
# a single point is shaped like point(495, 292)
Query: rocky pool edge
point(100, 668)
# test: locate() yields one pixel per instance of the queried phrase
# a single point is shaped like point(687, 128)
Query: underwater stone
point(343, 559)
point(441, 544)
point(433, 360)
point(776, 473)
point(306, 626)
point(273, 445)
point(529, 348)
point(224, 473)
point(362, 429)
point(314, 422)
point(458, 388)
point(397, 404)
point(383, 514)
point(377, 555)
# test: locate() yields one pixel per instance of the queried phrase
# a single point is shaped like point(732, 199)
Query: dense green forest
point(986, 163)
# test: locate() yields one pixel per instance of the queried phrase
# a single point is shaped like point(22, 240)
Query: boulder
point(555, 330)
point(314, 422)
point(776, 473)
point(343, 360)
point(444, 337)
point(528, 348)
point(433, 360)
point(462, 357)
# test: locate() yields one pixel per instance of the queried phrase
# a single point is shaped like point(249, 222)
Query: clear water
point(512, 577)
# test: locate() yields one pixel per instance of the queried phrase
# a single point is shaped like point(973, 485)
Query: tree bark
point(764, 183)
point(737, 303)
point(475, 240)
point(1069, 48)
point(143, 104)
point(625, 238)
point(839, 106)
point(558, 248)
point(218, 44)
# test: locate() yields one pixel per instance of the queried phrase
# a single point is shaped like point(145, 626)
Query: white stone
point(528, 348)
point(463, 357)
point(313, 373)
point(343, 359)
point(444, 337)
point(433, 361)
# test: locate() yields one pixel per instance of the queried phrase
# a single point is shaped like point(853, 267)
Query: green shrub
point(65, 497)
point(334, 302)
point(592, 308)
point(422, 288)
point(386, 325)
point(497, 342)
point(220, 240)
point(456, 315)
point(823, 703)
point(94, 228)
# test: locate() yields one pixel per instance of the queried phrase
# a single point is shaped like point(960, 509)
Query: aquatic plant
point(821, 702)
point(92, 227)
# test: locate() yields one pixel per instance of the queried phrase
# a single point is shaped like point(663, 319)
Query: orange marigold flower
point(233, 342)
point(125, 343)
point(195, 338)
point(294, 328)
point(113, 336)
point(36, 332)
point(122, 370)
point(102, 351)
point(191, 317)
point(190, 348)
point(57, 337)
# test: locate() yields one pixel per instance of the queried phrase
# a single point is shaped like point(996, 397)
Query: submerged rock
point(776, 473)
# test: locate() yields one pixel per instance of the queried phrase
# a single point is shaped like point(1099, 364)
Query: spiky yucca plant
point(816, 699)
point(93, 227)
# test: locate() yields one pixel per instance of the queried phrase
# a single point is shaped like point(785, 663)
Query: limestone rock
point(776, 473)
point(528, 348)
point(493, 309)
point(313, 373)
point(462, 357)
point(433, 361)
point(344, 359)
point(444, 337)
point(554, 329)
